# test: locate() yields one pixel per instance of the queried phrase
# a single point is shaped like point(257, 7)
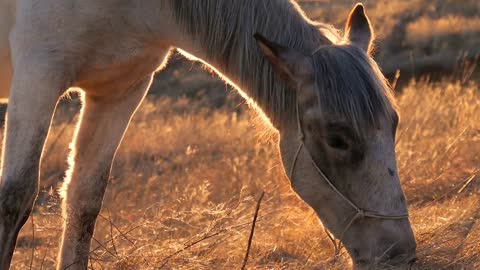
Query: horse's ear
point(291, 65)
point(359, 30)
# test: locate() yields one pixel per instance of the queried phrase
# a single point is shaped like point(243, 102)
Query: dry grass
point(425, 29)
point(186, 181)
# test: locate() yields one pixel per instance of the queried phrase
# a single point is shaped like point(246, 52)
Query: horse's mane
point(225, 29)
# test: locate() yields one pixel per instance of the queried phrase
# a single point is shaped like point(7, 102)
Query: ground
point(195, 160)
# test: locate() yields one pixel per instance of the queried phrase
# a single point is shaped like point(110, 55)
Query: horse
point(321, 90)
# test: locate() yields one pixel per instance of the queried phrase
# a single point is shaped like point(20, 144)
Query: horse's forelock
point(352, 87)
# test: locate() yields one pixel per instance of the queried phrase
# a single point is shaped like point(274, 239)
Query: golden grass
point(186, 181)
point(424, 29)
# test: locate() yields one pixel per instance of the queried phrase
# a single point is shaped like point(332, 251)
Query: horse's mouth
point(395, 263)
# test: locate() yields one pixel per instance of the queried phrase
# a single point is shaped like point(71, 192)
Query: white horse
point(322, 92)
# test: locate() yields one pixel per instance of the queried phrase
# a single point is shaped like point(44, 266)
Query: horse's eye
point(337, 142)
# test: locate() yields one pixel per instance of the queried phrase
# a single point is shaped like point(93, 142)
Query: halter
point(361, 213)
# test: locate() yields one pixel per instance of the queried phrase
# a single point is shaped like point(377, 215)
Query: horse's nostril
point(395, 253)
point(362, 262)
point(355, 253)
point(398, 255)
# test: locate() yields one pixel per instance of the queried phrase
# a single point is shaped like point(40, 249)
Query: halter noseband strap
point(360, 212)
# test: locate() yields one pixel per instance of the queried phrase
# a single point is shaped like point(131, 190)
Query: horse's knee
point(83, 199)
point(82, 186)
point(18, 191)
point(87, 217)
point(17, 194)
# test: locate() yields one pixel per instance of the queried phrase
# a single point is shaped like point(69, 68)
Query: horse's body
point(111, 48)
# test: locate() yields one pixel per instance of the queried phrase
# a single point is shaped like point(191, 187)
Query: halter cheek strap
point(360, 213)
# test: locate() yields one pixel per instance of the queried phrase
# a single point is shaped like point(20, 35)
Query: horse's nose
point(400, 253)
point(398, 257)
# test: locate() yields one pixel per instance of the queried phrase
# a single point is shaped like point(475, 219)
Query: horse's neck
point(221, 35)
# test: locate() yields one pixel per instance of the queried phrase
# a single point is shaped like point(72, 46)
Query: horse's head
point(339, 148)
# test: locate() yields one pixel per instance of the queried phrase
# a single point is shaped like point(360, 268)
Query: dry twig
point(33, 243)
point(250, 238)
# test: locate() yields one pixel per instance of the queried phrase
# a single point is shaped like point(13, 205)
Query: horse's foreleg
point(103, 124)
point(36, 87)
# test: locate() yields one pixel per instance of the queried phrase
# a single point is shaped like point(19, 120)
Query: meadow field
point(196, 158)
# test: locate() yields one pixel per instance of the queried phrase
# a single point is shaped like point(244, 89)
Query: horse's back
point(104, 44)
point(7, 18)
